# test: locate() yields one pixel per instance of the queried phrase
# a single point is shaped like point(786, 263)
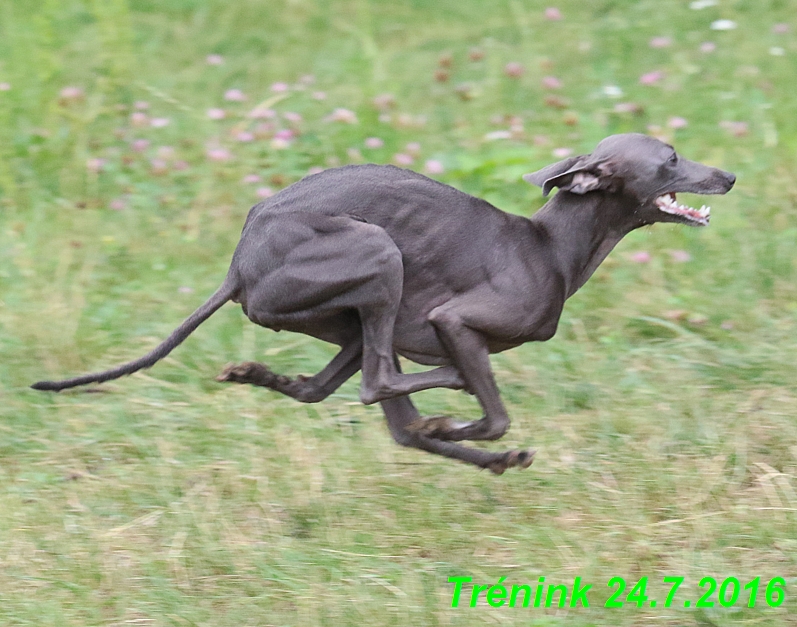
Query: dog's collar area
point(668, 204)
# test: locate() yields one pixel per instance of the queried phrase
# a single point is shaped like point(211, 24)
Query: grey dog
point(383, 261)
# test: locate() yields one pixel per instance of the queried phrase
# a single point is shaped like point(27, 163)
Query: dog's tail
point(222, 295)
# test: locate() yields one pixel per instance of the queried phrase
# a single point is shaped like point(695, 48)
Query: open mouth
point(668, 204)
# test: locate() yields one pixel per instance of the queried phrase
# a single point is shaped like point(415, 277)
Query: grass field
point(663, 410)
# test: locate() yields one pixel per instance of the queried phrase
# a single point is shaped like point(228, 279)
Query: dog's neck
point(581, 230)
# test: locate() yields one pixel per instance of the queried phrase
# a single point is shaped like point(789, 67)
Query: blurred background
point(134, 137)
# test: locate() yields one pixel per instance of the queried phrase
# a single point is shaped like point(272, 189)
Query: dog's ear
point(577, 175)
point(540, 178)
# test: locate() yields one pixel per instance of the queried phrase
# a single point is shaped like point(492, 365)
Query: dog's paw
point(247, 372)
point(512, 459)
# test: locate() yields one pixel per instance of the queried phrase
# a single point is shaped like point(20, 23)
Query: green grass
point(663, 410)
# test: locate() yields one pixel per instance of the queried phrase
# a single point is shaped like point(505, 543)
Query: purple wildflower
point(551, 82)
point(553, 14)
point(513, 69)
point(218, 154)
point(677, 122)
point(342, 115)
point(660, 42)
point(139, 145)
point(433, 166)
point(651, 78)
point(235, 95)
point(403, 159)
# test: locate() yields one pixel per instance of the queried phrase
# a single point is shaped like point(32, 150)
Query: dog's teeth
point(668, 204)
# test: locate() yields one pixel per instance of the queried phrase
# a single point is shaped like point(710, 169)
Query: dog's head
point(642, 169)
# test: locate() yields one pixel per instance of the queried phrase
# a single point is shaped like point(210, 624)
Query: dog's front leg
point(468, 350)
point(401, 415)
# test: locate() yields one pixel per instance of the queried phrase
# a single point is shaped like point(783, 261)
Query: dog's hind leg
point(305, 389)
point(300, 270)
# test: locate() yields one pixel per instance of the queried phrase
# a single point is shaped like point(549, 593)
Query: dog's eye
point(673, 159)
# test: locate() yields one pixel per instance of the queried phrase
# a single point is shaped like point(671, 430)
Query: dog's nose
point(731, 178)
